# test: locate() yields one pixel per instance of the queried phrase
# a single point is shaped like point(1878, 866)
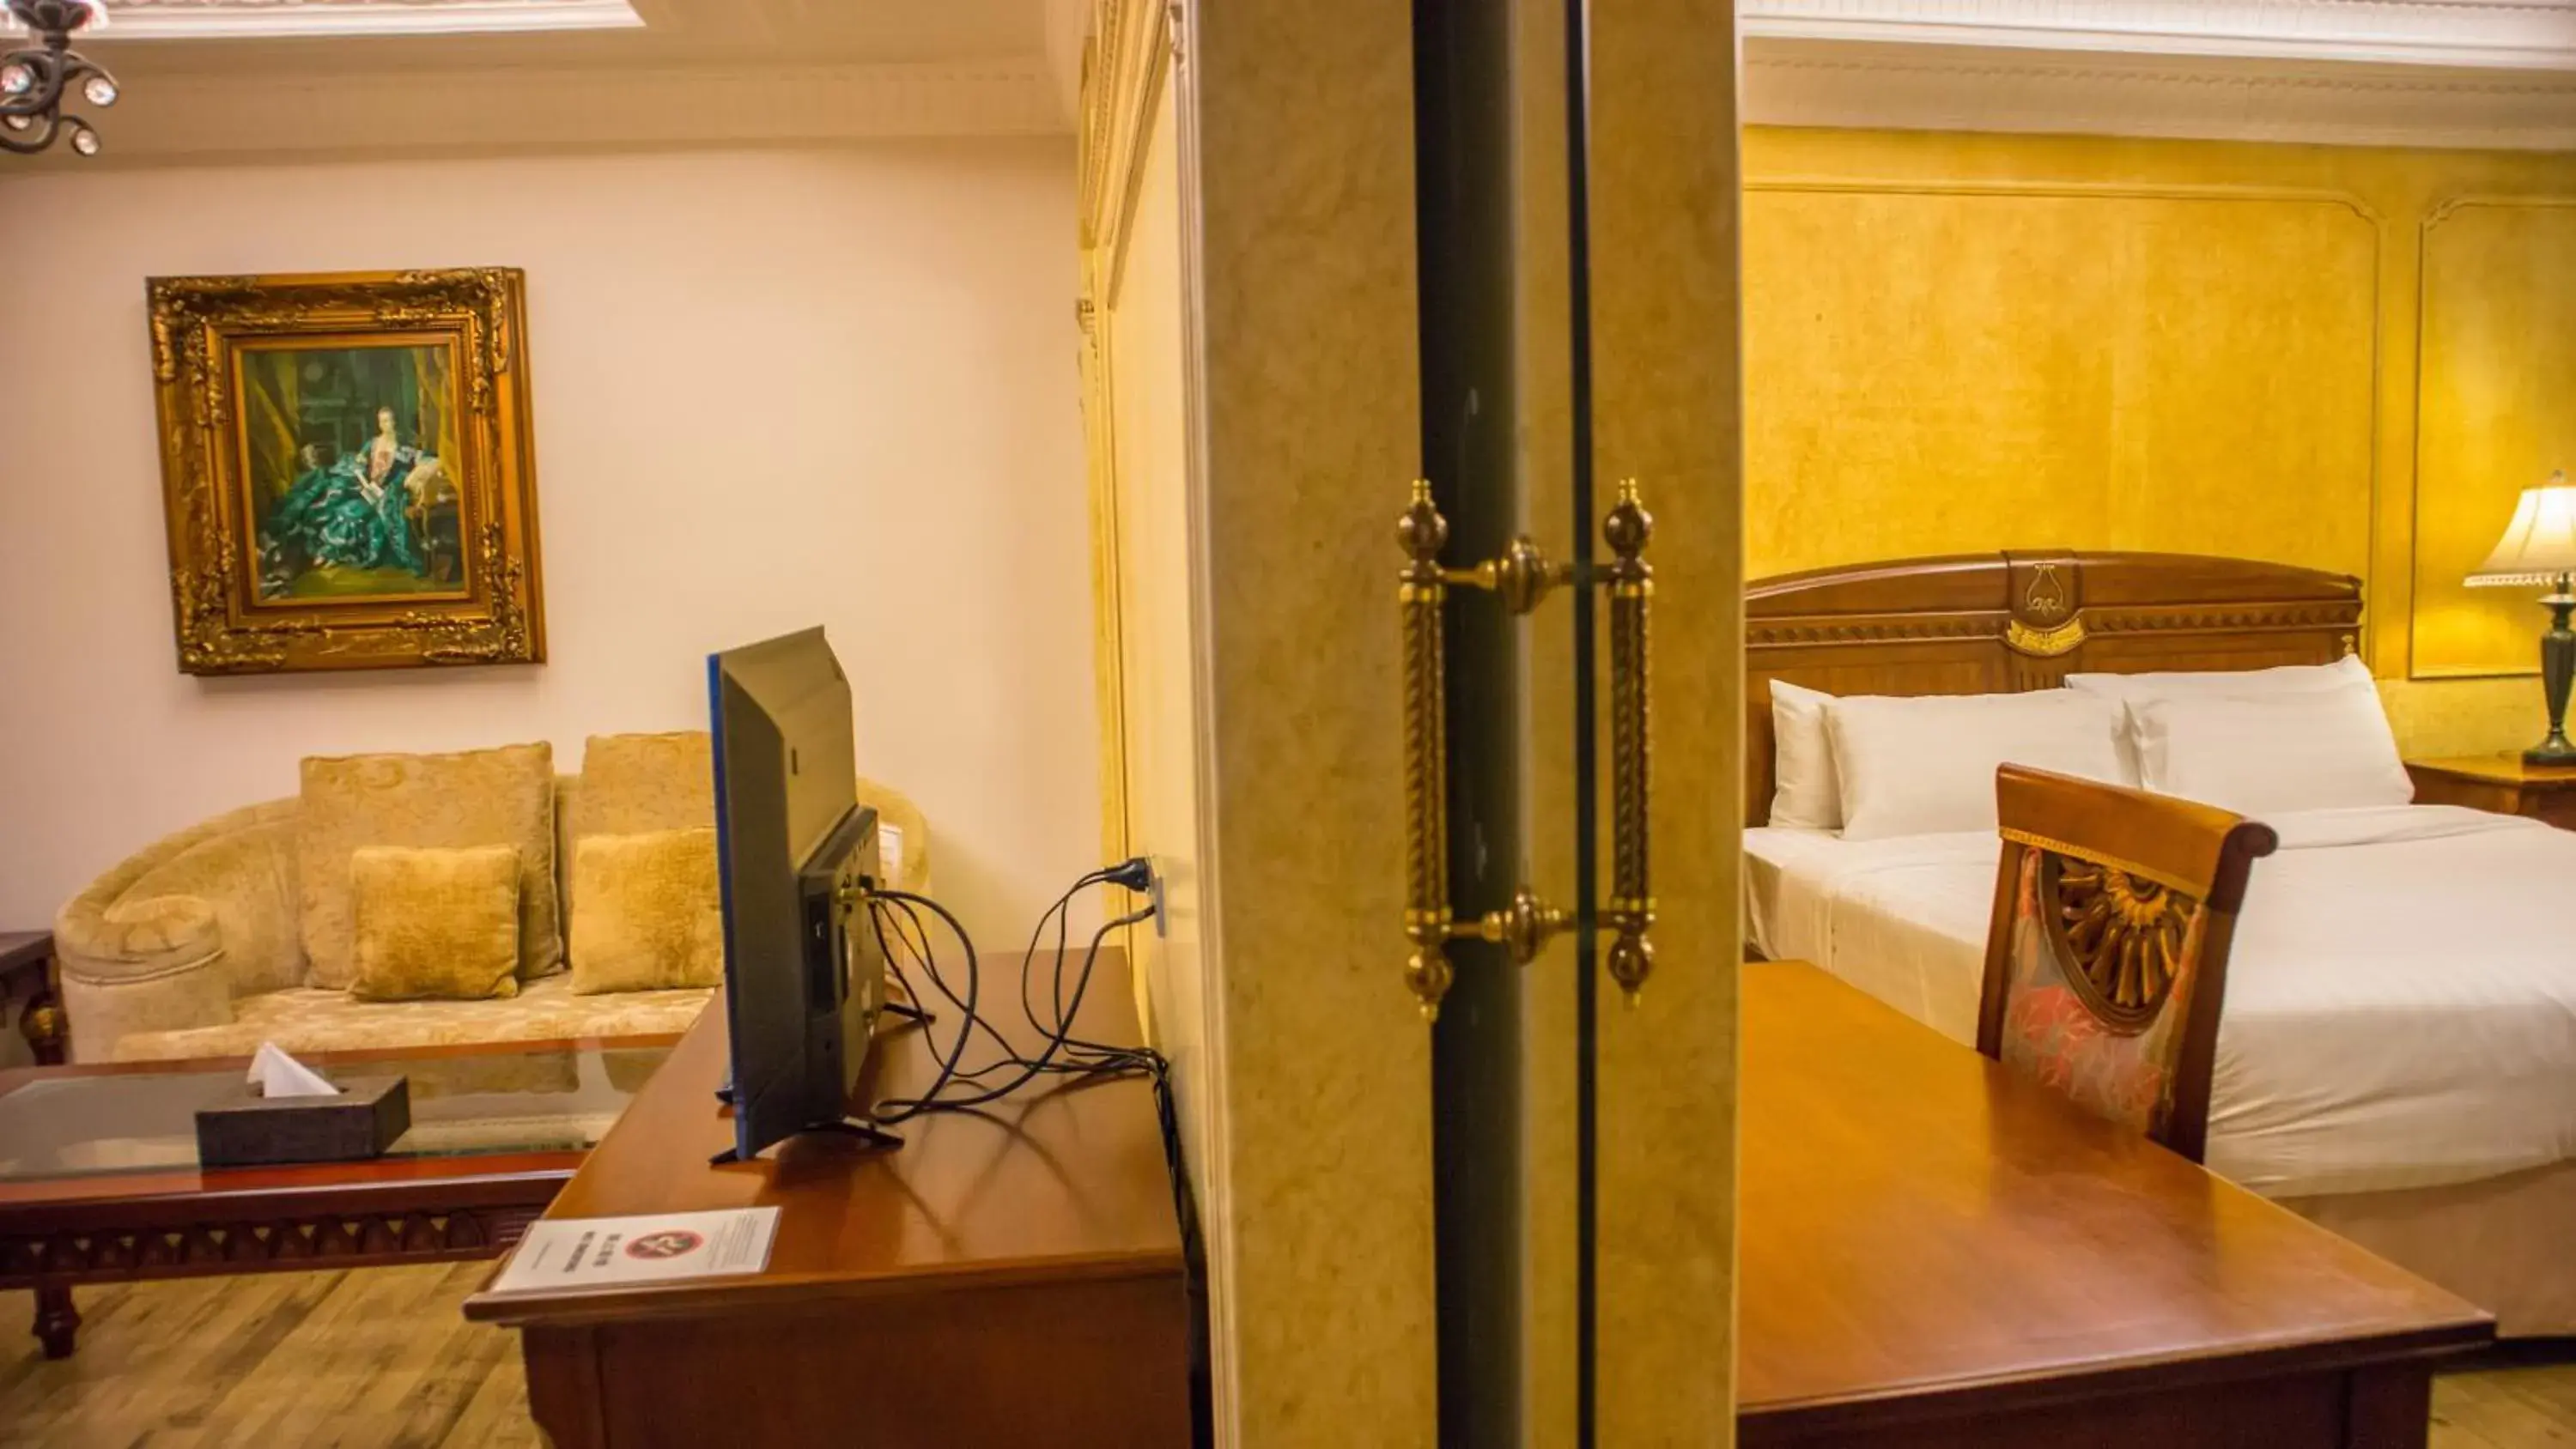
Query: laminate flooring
point(374, 1357)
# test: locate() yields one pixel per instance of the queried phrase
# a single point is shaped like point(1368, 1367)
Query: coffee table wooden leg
point(47, 1031)
point(57, 1321)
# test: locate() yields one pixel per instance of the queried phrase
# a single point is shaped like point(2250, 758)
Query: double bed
point(2397, 1047)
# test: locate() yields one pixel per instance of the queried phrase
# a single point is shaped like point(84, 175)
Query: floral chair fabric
point(2095, 1001)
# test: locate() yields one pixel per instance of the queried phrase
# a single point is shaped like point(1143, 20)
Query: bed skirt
point(2506, 1244)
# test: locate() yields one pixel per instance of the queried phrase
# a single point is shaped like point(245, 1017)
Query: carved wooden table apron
point(99, 1183)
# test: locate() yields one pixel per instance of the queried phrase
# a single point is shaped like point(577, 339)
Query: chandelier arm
point(51, 79)
point(35, 80)
point(31, 141)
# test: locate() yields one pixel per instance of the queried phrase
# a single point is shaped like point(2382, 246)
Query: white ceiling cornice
point(2502, 34)
point(287, 19)
point(1932, 88)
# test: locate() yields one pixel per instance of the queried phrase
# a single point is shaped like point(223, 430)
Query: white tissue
point(276, 1074)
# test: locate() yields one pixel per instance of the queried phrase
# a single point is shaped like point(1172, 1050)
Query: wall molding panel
point(2028, 384)
point(2496, 319)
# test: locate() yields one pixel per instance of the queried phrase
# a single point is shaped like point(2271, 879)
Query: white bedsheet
point(2401, 998)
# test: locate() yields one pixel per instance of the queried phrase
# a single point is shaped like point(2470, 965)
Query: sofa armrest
point(136, 940)
point(168, 937)
point(157, 967)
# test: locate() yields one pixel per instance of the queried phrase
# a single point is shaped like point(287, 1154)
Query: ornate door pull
point(1521, 578)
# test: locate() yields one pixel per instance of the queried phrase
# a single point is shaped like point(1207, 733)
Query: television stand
point(867, 1132)
point(1037, 1234)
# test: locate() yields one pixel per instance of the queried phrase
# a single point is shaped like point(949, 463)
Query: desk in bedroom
point(1012, 1276)
point(1936, 1255)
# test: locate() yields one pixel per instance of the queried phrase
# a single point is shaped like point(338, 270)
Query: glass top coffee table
point(99, 1180)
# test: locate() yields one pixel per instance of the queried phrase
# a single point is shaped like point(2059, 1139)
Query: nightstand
point(2501, 783)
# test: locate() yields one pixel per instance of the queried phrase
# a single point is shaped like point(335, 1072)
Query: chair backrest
point(2106, 962)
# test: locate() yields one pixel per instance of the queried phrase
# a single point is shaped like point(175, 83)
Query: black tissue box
point(255, 1131)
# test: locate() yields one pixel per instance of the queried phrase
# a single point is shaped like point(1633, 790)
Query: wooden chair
point(2107, 958)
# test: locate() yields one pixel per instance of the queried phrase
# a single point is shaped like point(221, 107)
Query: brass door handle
point(1631, 909)
point(1521, 578)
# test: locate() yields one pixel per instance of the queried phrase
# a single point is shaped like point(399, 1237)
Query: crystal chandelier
point(36, 80)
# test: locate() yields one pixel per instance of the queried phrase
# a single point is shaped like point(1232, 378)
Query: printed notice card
point(599, 1252)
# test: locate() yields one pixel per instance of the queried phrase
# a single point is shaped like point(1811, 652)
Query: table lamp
point(2539, 547)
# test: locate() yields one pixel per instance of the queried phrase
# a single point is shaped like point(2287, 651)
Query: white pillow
point(2225, 683)
point(1805, 794)
point(2325, 749)
point(1926, 765)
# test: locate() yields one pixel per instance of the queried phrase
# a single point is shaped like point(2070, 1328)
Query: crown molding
point(199, 118)
point(279, 19)
point(1133, 50)
point(1938, 88)
point(2501, 34)
point(1068, 40)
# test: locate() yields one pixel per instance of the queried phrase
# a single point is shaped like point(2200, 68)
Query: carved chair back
point(2106, 962)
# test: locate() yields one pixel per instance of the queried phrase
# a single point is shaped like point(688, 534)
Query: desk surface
point(1052, 1183)
point(1918, 1226)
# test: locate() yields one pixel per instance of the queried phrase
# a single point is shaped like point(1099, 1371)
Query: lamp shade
point(2539, 546)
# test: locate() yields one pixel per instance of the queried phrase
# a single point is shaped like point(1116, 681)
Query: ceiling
point(280, 77)
point(208, 80)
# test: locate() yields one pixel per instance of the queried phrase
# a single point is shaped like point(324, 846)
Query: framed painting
point(348, 470)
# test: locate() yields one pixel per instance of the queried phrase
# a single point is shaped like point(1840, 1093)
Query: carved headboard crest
point(1988, 623)
point(2046, 622)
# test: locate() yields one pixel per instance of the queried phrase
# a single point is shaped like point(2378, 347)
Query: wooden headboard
point(1990, 623)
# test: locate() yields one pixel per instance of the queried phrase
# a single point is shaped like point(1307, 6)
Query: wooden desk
point(2502, 784)
point(1936, 1254)
point(1011, 1276)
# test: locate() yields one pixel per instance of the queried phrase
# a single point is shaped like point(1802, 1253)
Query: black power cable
point(1061, 1053)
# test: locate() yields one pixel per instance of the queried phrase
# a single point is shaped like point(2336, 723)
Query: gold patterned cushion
point(436, 925)
point(480, 797)
point(646, 915)
point(634, 783)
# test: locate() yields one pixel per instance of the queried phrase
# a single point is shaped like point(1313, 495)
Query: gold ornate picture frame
point(349, 470)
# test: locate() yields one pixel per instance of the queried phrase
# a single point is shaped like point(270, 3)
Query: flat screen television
point(804, 980)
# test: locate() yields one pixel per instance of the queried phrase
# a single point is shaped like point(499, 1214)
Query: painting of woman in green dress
point(346, 471)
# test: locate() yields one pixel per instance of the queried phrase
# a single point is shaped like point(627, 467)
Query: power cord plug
point(1136, 873)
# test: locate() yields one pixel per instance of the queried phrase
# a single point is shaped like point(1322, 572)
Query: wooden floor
point(380, 1358)
point(2516, 1395)
point(368, 1357)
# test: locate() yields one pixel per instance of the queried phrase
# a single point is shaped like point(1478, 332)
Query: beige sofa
point(192, 948)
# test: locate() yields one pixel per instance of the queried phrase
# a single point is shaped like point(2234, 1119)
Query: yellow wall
point(1144, 517)
point(1960, 343)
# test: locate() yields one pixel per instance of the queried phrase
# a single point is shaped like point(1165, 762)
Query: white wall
point(772, 388)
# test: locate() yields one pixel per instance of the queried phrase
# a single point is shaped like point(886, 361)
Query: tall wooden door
point(1333, 247)
point(1575, 242)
